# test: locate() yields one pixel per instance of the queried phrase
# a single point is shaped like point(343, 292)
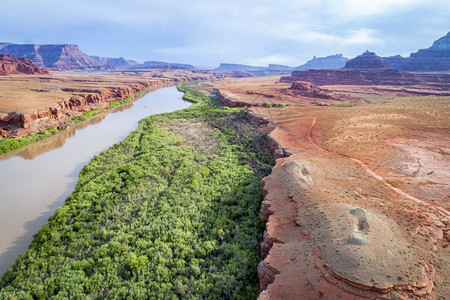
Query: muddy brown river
point(35, 180)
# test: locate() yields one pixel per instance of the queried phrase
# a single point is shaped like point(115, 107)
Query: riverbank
point(172, 211)
point(35, 107)
point(10, 144)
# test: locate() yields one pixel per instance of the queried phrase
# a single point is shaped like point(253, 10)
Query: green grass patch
point(86, 115)
point(9, 144)
point(127, 100)
point(157, 216)
point(118, 103)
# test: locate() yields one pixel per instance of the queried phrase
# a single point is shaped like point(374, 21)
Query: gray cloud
point(209, 32)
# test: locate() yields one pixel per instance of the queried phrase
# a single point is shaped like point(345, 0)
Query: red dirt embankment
point(325, 236)
point(16, 124)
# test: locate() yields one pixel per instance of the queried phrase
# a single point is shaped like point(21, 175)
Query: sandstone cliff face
point(353, 77)
point(14, 65)
point(365, 69)
point(434, 58)
point(63, 57)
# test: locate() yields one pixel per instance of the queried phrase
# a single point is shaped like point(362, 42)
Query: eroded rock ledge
point(17, 124)
point(315, 248)
point(322, 244)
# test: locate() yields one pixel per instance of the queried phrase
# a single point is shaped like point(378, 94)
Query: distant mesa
point(271, 69)
point(370, 69)
point(365, 69)
point(13, 65)
point(239, 67)
point(336, 61)
point(70, 57)
point(434, 58)
point(164, 65)
point(115, 62)
point(331, 62)
point(279, 67)
point(60, 57)
point(367, 60)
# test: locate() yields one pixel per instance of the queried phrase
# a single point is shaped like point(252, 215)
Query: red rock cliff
point(13, 65)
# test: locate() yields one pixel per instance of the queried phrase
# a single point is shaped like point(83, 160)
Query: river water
point(35, 180)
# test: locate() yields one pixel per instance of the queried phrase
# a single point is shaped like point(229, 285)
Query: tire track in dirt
point(374, 175)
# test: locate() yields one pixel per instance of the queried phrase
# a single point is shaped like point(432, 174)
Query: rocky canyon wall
point(17, 124)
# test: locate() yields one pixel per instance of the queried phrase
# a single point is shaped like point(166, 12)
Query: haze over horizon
point(247, 32)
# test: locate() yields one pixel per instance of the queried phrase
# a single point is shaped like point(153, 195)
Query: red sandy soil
point(357, 205)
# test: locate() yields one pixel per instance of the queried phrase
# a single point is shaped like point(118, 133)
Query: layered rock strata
point(353, 77)
point(367, 69)
point(62, 57)
point(434, 58)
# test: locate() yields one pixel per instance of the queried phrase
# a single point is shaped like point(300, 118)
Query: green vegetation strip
point(127, 100)
point(9, 144)
point(170, 212)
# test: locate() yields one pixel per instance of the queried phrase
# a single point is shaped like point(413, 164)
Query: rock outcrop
point(434, 58)
point(13, 65)
point(331, 62)
point(306, 88)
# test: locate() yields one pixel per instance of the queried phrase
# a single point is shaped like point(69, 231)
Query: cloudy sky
point(207, 32)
